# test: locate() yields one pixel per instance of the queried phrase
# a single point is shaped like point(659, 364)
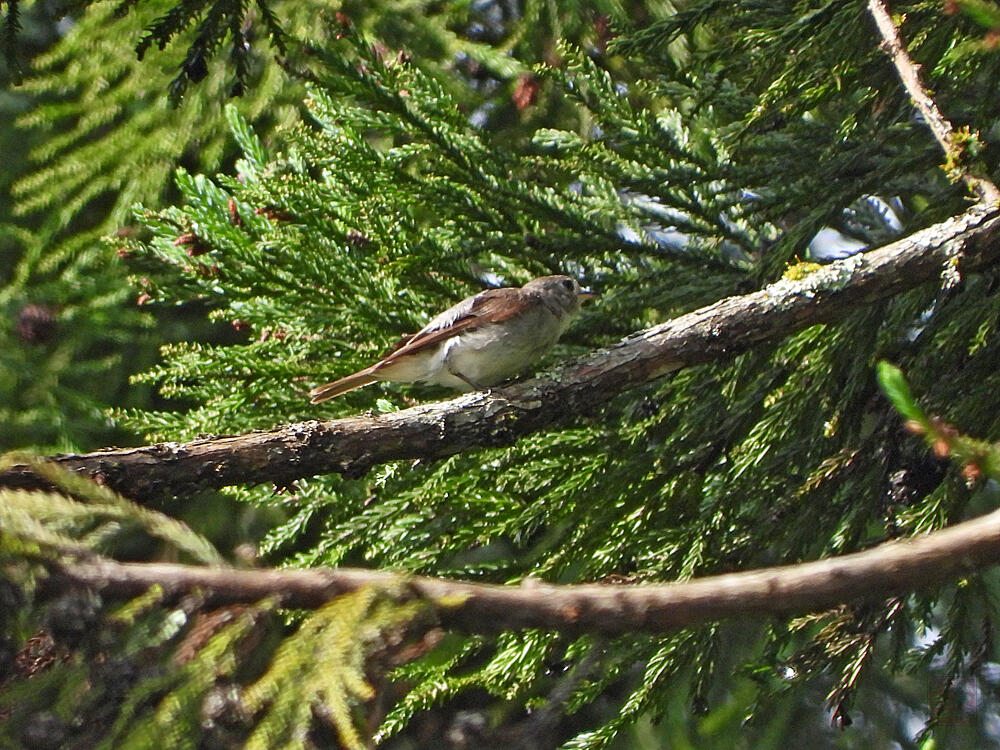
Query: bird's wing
point(491, 306)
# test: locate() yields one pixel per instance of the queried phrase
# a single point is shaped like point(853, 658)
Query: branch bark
point(891, 569)
point(941, 128)
point(714, 333)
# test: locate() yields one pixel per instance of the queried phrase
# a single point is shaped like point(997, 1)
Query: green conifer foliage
point(103, 136)
point(746, 126)
point(393, 206)
point(815, 113)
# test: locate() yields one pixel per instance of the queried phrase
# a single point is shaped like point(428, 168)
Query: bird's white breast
point(491, 354)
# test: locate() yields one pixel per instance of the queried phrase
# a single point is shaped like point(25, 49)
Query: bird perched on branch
point(481, 341)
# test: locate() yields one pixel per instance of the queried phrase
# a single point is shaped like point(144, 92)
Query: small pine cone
point(234, 214)
point(35, 324)
point(602, 26)
point(195, 245)
point(358, 239)
point(526, 91)
point(275, 214)
point(205, 271)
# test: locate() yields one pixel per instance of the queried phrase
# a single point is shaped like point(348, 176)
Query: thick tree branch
point(891, 569)
point(952, 146)
point(714, 333)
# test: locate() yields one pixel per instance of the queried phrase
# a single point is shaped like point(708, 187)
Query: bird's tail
point(337, 387)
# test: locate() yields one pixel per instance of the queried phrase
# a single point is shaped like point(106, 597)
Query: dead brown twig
point(952, 143)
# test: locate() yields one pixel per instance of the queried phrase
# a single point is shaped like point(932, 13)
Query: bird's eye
point(568, 285)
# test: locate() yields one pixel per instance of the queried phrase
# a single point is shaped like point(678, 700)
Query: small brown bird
point(481, 341)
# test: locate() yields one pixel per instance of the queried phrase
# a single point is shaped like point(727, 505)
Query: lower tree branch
point(714, 333)
point(938, 124)
point(891, 569)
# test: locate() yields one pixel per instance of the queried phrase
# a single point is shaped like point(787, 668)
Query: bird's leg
point(460, 376)
point(493, 390)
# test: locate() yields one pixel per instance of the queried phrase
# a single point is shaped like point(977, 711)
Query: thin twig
point(891, 569)
point(941, 128)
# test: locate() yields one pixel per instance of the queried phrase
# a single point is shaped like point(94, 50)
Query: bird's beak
point(586, 294)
